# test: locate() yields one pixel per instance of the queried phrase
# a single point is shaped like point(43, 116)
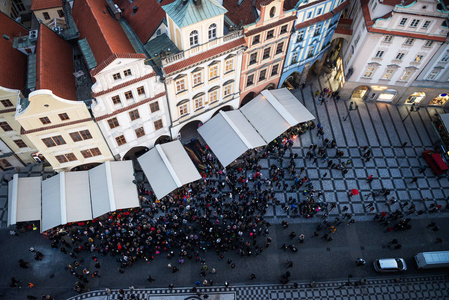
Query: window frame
point(6, 103)
point(141, 90)
point(46, 15)
point(248, 82)
point(264, 72)
point(228, 62)
point(116, 76)
point(379, 53)
point(129, 95)
point(251, 60)
point(284, 29)
point(278, 51)
point(227, 89)
point(183, 110)
point(134, 114)
point(158, 124)
point(127, 72)
point(198, 102)
point(63, 116)
point(76, 136)
point(195, 79)
point(180, 83)
point(194, 38)
point(154, 104)
point(403, 21)
point(212, 32)
point(140, 132)
point(85, 134)
point(264, 52)
point(270, 34)
point(45, 120)
point(426, 24)
point(275, 68)
point(120, 140)
point(256, 40)
point(213, 96)
point(20, 143)
point(5, 126)
point(414, 23)
point(213, 70)
point(113, 123)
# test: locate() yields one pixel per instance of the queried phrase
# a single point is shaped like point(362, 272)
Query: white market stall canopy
point(445, 119)
point(230, 134)
point(168, 167)
point(112, 187)
point(24, 199)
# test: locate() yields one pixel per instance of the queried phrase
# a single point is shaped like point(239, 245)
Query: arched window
point(272, 11)
point(212, 31)
point(194, 38)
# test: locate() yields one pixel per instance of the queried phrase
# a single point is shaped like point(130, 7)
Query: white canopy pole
point(111, 193)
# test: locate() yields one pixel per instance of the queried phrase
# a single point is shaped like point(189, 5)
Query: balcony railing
point(202, 48)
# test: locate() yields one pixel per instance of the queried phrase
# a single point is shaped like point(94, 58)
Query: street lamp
point(412, 108)
point(351, 108)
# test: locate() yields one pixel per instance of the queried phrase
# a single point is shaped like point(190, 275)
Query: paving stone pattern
point(424, 288)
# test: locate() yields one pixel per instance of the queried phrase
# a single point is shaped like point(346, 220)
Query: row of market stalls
point(72, 196)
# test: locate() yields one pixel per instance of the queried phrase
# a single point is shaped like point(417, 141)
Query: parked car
point(390, 265)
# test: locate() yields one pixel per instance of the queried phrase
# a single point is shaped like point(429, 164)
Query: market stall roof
point(445, 119)
point(275, 111)
point(112, 187)
point(168, 167)
point(24, 199)
point(65, 199)
point(229, 135)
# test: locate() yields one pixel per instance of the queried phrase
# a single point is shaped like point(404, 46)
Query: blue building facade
point(313, 31)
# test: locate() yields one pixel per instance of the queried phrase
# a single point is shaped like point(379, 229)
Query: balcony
point(232, 36)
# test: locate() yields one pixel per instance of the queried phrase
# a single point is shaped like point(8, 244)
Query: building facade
point(391, 46)
point(314, 29)
point(267, 26)
point(50, 12)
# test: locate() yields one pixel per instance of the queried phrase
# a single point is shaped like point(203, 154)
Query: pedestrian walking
point(253, 276)
point(360, 262)
point(370, 179)
point(414, 179)
point(404, 144)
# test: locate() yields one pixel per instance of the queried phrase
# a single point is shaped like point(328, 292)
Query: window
point(134, 114)
point(409, 41)
point(198, 102)
point(374, 6)
point(428, 44)
point(116, 76)
point(59, 140)
point(403, 21)
point(7, 103)
point(76, 137)
point(85, 134)
point(400, 56)
point(197, 78)
point(116, 99)
point(406, 75)
point(154, 106)
point(418, 58)
point(140, 90)
point(229, 65)
point(311, 50)
point(140, 132)
point(213, 72)
point(317, 30)
point(274, 70)
point(113, 123)
point(388, 38)
point(127, 72)
point(20, 143)
point(48, 142)
point(426, 24)
point(284, 29)
point(46, 16)
point(63, 116)
point(250, 80)
point(379, 54)
point(445, 58)
point(369, 72)
point(294, 58)
point(256, 39)
point(300, 36)
point(388, 73)
point(433, 75)
point(320, 10)
point(262, 75)
point(180, 85)
point(193, 38)
point(309, 15)
point(272, 11)
point(158, 124)
point(183, 110)
point(266, 53)
point(213, 96)
point(357, 39)
point(227, 90)
point(61, 159)
point(270, 34)
point(212, 32)
point(60, 13)
point(253, 58)
point(129, 95)
point(279, 48)
point(158, 32)
point(120, 140)
point(414, 23)
point(90, 152)
point(45, 120)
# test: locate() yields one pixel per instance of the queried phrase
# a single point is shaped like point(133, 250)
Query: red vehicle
point(435, 161)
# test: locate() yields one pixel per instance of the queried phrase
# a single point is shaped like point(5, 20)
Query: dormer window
point(272, 12)
point(127, 72)
point(212, 31)
point(194, 38)
point(116, 76)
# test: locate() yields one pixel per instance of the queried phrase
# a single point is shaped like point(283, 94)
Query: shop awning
point(24, 199)
point(445, 119)
point(168, 167)
point(229, 135)
point(112, 187)
point(275, 111)
point(65, 199)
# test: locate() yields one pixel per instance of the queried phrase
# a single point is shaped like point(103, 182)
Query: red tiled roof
point(203, 56)
point(117, 87)
point(241, 14)
point(111, 58)
point(13, 64)
point(104, 34)
point(271, 25)
point(45, 4)
point(343, 31)
point(323, 16)
point(290, 4)
point(369, 26)
point(54, 64)
point(141, 22)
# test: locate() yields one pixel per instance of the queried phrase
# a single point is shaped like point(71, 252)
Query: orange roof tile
point(143, 25)
point(45, 4)
point(104, 34)
point(13, 63)
point(54, 64)
point(191, 61)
